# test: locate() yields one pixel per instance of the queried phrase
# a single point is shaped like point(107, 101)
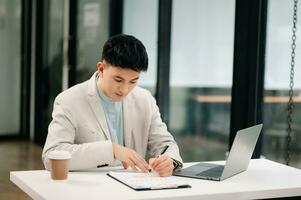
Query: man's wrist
point(176, 164)
point(113, 149)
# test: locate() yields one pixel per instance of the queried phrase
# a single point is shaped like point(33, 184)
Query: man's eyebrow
point(134, 79)
point(119, 77)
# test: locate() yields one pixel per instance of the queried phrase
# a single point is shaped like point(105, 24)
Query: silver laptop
point(238, 159)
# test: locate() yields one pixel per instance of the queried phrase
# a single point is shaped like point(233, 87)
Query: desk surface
point(263, 179)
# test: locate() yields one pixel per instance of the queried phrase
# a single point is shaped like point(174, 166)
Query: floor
point(17, 155)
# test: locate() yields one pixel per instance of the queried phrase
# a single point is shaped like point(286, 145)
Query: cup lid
point(59, 155)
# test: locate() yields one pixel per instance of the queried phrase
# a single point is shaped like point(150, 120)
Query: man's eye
point(133, 82)
point(117, 80)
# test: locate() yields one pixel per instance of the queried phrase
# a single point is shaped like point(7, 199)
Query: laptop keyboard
point(213, 172)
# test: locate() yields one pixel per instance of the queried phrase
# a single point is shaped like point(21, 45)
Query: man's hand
point(162, 164)
point(130, 158)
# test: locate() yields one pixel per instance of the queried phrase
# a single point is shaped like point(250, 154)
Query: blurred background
point(214, 67)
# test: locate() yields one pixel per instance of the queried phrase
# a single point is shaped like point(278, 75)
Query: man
point(108, 118)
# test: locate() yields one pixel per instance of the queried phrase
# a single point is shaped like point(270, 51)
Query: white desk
point(263, 179)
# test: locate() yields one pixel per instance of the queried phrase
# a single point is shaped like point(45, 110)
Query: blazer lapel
point(95, 103)
point(127, 121)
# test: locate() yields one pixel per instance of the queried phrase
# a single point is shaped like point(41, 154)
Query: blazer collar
point(127, 120)
point(95, 103)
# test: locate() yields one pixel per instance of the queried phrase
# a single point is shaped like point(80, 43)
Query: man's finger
point(164, 164)
point(132, 165)
point(151, 161)
point(142, 164)
point(158, 160)
point(167, 171)
point(137, 162)
point(125, 165)
point(164, 174)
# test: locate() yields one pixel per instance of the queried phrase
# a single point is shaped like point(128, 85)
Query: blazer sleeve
point(159, 136)
point(61, 136)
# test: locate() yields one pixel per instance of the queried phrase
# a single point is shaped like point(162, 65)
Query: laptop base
point(203, 171)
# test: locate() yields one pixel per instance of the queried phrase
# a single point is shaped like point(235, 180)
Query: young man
point(109, 119)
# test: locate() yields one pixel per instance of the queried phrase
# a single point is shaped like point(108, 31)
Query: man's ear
point(100, 67)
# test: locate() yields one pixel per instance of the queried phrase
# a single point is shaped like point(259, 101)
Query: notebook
point(147, 181)
point(237, 162)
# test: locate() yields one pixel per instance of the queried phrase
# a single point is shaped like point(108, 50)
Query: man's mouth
point(120, 95)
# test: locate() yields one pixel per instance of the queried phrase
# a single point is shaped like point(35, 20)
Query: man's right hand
point(130, 158)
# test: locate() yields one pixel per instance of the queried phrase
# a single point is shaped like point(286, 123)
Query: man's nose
point(124, 88)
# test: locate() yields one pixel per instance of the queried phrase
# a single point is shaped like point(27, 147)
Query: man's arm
point(159, 137)
point(61, 136)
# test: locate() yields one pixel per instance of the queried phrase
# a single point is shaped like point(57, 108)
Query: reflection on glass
point(52, 70)
point(279, 31)
point(10, 66)
point(55, 49)
point(92, 32)
point(201, 77)
point(140, 18)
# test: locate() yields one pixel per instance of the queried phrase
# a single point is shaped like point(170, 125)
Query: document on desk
point(147, 181)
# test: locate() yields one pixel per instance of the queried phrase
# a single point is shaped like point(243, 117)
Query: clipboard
point(140, 181)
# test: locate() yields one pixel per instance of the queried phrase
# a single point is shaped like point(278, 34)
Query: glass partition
point(140, 18)
point(10, 66)
point(201, 77)
point(92, 32)
point(278, 59)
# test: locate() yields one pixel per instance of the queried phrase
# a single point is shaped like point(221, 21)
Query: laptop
point(237, 162)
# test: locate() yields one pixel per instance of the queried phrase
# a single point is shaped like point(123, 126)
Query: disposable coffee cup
point(59, 164)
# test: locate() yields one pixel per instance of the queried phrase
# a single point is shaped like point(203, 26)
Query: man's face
point(116, 82)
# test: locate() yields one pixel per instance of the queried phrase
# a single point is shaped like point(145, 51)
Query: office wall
point(10, 66)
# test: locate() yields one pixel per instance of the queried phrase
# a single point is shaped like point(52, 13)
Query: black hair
point(125, 51)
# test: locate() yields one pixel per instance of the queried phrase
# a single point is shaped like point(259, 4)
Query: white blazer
point(79, 126)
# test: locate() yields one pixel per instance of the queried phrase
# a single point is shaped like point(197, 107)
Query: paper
point(147, 181)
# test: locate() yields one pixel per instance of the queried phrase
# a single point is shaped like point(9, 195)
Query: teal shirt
point(114, 116)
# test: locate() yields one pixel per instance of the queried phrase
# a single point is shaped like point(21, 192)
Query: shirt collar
point(101, 94)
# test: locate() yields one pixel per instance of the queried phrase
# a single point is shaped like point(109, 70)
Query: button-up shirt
point(114, 116)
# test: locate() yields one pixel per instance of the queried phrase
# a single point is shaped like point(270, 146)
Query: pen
point(164, 150)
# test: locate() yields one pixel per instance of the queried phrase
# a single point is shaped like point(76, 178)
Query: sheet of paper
point(142, 181)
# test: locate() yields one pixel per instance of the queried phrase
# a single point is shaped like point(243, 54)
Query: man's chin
point(117, 98)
